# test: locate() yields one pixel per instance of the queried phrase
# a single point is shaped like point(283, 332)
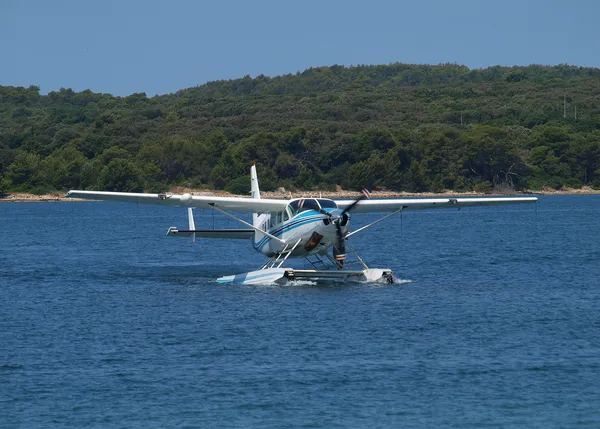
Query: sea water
point(494, 322)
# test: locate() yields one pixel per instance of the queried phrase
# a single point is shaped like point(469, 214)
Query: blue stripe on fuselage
point(288, 227)
point(303, 218)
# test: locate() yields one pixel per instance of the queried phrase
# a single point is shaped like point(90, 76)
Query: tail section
point(254, 191)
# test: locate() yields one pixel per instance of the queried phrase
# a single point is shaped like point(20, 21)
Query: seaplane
point(316, 229)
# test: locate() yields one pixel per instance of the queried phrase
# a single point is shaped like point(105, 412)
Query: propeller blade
point(339, 249)
point(326, 213)
point(354, 203)
point(339, 252)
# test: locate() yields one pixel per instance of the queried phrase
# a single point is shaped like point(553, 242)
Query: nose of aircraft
point(337, 216)
point(336, 225)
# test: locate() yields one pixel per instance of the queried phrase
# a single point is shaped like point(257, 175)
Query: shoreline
point(20, 197)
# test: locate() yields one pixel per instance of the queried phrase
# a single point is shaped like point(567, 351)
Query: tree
point(423, 122)
point(365, 173)
point(24, 171)
point(415, 177)
point(286, 166)
point(63, 169)
point(114, 152)
point(220, 176)
point(121, 175)
point(239, 186)
point(4, 186)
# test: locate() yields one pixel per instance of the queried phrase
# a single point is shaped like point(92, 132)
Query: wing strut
point(248, 224)
point(377, 221)
point(191, 224)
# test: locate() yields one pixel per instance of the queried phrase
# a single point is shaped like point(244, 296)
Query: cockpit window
point(299, 206)
point(308, 205)
point(327, 204)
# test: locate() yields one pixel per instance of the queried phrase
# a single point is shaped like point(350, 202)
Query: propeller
point(339, 249)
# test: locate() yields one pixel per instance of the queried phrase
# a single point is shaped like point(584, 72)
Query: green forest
point(399, 127)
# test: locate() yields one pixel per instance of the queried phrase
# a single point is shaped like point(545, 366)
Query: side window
point(286, 214)
point(293, 207)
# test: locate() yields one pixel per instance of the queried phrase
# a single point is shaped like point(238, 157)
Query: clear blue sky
point(157, 47)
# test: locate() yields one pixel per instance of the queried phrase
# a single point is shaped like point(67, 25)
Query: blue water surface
point(106, 322)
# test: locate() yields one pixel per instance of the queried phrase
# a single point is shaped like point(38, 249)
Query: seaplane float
point(316, 229)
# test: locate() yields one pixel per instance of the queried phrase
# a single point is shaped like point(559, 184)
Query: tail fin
point(254, 191)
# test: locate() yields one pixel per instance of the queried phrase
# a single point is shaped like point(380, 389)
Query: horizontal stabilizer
point(211, 233)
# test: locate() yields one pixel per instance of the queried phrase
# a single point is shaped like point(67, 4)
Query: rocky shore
point(340, 194)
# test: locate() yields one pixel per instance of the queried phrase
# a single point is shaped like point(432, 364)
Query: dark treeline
point(399, 126)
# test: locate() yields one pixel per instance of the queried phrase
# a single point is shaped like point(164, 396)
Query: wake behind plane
point(315, 229)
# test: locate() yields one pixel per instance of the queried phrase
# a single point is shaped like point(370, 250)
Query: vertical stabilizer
point(254, 191)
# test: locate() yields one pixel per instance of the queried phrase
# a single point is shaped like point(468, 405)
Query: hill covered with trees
point(398, 126)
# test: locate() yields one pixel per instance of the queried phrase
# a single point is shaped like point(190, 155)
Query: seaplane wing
point(234, 204)
point(388, 205)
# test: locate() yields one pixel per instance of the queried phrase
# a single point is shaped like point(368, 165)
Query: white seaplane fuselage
point(301, 222)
